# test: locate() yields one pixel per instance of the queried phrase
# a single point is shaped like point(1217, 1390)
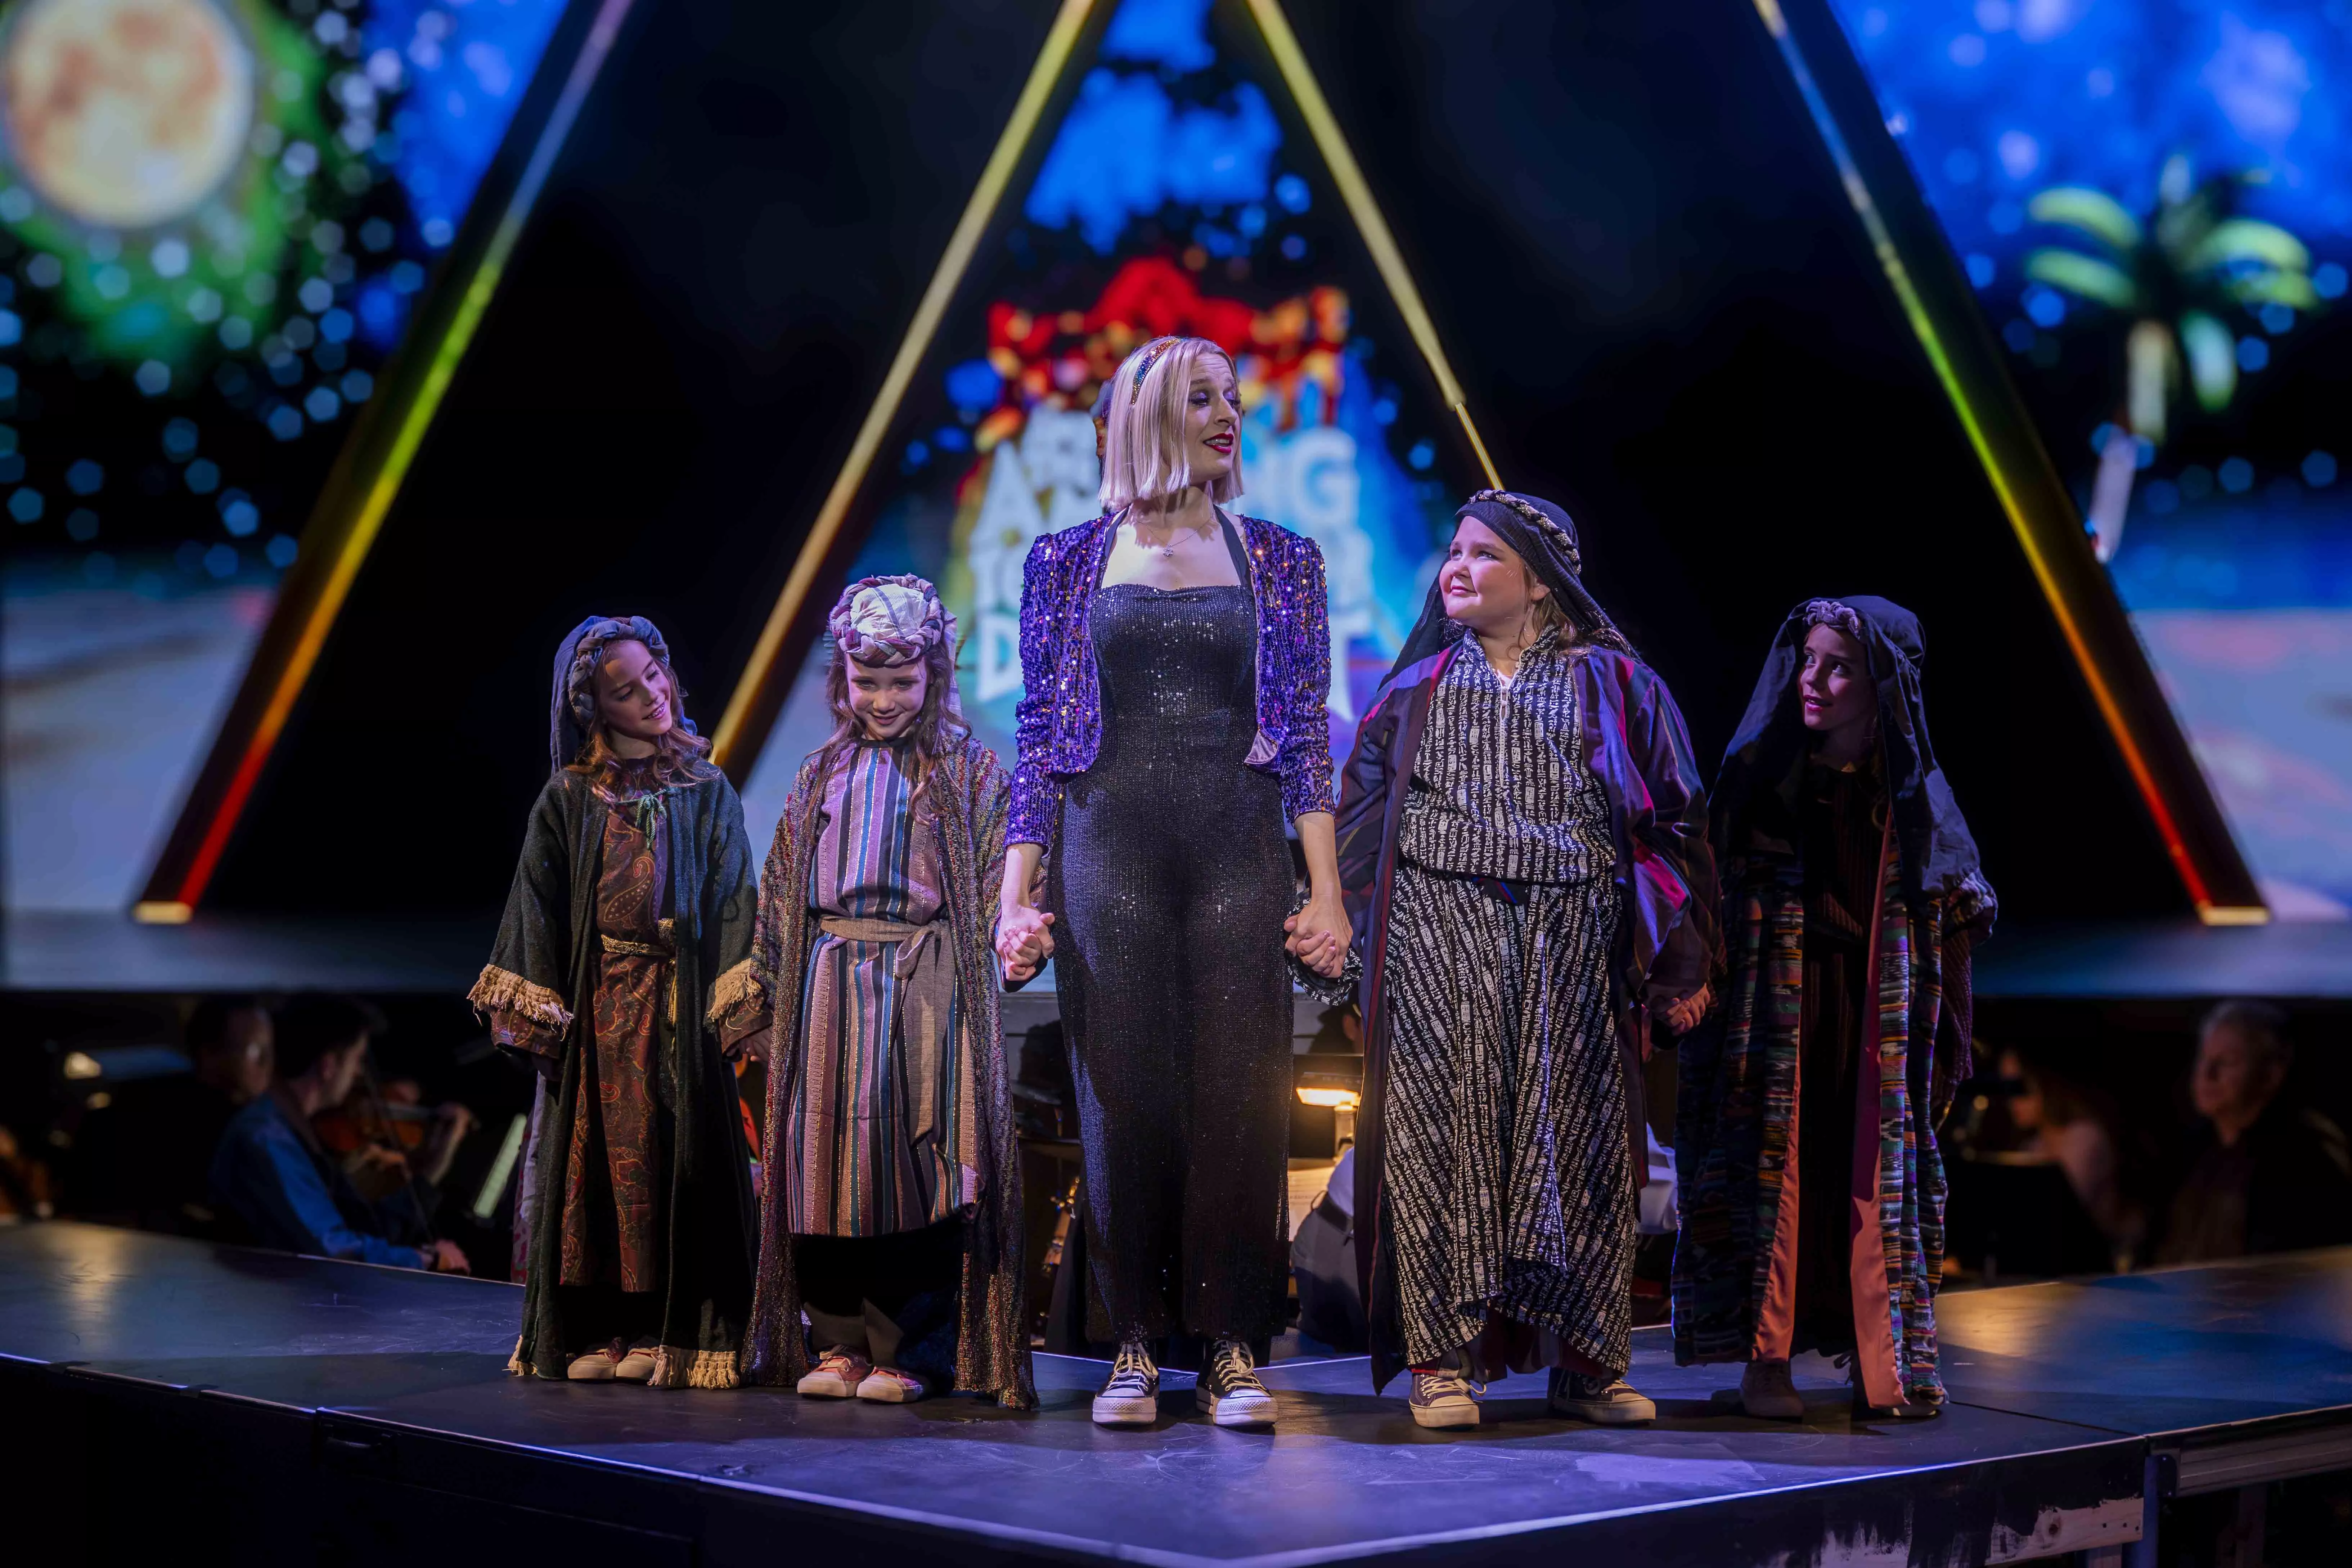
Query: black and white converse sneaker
point(1132, 1397)
point(1229, 1390)
point(1603, 1400)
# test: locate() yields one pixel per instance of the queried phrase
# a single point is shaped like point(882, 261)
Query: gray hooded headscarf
point(571, 708)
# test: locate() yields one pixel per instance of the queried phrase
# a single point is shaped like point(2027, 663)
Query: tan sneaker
point(889, 1385)
point(593, 1366)
point(637, 1366)
point(1603, 1400)
point(837, 1374)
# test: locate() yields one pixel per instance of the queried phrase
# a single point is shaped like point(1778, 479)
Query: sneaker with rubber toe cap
point(1603, 1400)
point(889, 1385)
point(1131, 1396)
point(1229, 1389)
point(637, 1366)
point(1443, 1399)
point(593, 1366)
point(1768, 1393)
point(836, 1375)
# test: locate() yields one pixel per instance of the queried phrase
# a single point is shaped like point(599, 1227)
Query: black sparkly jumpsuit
point(1170, 884)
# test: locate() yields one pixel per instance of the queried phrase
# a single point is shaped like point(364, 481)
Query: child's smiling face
point(888, 699)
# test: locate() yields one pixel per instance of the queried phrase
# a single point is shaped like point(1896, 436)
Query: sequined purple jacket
point(1058, 723)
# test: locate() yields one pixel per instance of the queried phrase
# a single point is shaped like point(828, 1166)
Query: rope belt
point(661, 951)
point(914, 941)
point(637, 949)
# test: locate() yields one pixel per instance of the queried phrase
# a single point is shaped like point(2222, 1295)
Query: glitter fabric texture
point(1058, 726)
point(1171, 883)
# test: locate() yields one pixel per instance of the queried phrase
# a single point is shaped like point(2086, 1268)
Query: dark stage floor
point(379, 1398)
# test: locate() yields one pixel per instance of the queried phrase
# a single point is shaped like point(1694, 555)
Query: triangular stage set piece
point(1171, 166)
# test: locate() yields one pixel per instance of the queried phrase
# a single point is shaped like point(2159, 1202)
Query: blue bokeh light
point(1170, 33)
point(1128, 149)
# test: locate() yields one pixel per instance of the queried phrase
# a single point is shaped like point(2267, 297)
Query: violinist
point(273, 1170)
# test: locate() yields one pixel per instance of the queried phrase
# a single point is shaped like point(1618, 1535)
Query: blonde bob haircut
point(1145, 455)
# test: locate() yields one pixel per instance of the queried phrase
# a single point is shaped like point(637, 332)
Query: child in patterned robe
point(1523, 851)
point(891, 1215)
point(1853, 900)
point(621, 962)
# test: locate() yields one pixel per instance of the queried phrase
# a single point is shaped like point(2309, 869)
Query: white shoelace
point(1132, 1373)
point(1231, 1369)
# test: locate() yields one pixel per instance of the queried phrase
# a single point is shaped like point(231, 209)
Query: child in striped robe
point(891, 1217)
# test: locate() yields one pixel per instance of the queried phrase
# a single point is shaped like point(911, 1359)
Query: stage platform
point(164, 1394)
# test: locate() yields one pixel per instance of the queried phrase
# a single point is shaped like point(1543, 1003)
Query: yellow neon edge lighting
point(1308, 95)
point(1924, 326)
point(993, 177)
point(351, 551)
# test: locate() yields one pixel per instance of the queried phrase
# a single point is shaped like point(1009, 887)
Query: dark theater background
point(352, 351)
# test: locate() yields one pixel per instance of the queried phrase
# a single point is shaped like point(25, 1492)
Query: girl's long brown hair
point(936, 729)
point(679, 752)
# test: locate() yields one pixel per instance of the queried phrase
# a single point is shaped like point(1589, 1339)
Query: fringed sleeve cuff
point(739, 1001)
point(504, 990)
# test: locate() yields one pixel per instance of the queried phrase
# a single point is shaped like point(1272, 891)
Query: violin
point(375, 1138)
point(367, 1122)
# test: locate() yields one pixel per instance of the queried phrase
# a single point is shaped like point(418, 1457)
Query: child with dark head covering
point(891, 1214)
point(1852, 899)
point(1523, 850)
point(621, 962)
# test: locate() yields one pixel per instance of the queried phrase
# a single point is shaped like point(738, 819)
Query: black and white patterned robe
point(1510, 1189)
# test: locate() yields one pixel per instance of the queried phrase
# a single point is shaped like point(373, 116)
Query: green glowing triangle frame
point(792, 626)
point(367, 476)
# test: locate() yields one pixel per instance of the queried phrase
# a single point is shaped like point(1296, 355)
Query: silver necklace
point(1167, 550)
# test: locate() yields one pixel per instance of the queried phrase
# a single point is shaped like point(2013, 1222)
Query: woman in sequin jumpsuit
point(1176, 660)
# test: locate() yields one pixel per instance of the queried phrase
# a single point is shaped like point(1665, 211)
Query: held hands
point(1683, 1017)
point(1318, 935)
point(1024, 942)
point(755, 1046)
point(446, 1258)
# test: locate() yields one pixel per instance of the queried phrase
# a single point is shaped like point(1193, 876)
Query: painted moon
point(125, 113)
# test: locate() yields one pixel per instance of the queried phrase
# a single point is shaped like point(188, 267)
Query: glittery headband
point(1151, 357)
